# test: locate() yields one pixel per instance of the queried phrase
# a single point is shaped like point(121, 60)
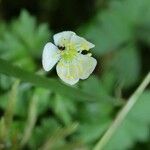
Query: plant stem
point(32, 118)
point(51, 84)
point(9, 112)
point(122, 114)
point(58, 135)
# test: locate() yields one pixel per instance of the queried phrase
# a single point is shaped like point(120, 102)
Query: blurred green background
point(32, 117)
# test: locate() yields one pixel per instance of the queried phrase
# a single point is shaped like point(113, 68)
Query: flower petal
point(81, 43)
point(68, 72)
point(87, 64)
point(60, 39)
point(50, 56)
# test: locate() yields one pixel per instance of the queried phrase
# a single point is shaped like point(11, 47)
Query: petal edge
point(88, 64)
point(50, 56)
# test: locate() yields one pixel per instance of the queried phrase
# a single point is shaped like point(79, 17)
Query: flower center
point(69, 53)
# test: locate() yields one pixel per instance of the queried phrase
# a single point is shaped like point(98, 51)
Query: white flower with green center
point(72, 65)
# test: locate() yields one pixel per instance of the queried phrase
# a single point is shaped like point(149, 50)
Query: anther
point(61, 48)
point(84, 52)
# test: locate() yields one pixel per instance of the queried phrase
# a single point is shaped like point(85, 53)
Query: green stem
point(6, 120)
point(122, 114)
point(54, 85)
point(58, 135)
point(32, 118)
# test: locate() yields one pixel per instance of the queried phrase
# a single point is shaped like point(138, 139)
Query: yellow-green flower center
point(69, 53)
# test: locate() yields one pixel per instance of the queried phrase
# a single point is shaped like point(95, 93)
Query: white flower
point(72, 65)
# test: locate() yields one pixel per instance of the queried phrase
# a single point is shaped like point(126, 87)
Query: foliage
point(37, 111)
point(135, 127)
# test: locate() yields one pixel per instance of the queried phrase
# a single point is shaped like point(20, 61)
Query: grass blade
point(122, 114)
point(52, 84)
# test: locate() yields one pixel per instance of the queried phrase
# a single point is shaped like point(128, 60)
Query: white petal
point(68, 72)
point(87, 64)
point(81, 43)
point(50, 56)
point(60, 39)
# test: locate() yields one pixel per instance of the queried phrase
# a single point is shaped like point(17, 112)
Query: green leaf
point(41, 132)
point(95, 87)
point(109, 31)
point(117, 25)
point(32, 36)
point(44, 99)
point(63, 108)
point(5, 82)
point(58, 137)
point(23, 41)
point(94, 117)
point(126, 66)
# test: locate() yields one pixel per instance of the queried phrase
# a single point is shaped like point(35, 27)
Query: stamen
point(84, 52)
point(61, 48)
